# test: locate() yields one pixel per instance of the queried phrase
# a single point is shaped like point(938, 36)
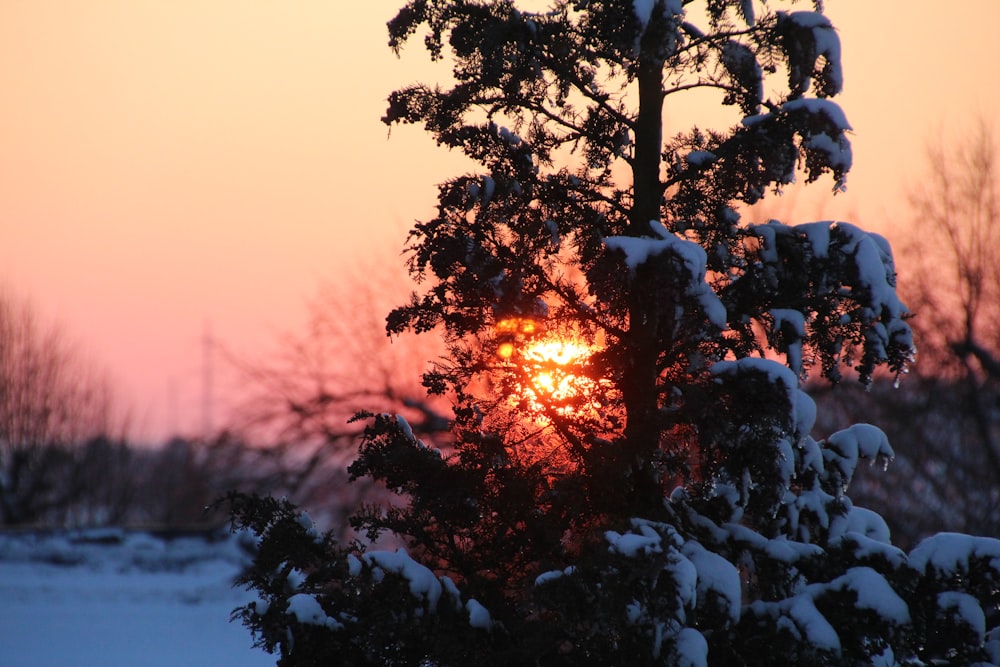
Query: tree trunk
point(640, 376)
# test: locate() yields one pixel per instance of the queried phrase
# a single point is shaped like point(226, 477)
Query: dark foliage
point(658, 499)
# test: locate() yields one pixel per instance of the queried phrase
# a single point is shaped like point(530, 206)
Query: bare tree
point(956, 250)
point(291, 433)
point(52, 403)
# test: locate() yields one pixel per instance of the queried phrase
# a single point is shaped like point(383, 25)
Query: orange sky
point(164, 163)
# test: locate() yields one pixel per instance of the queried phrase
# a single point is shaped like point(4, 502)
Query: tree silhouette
point(631, 478)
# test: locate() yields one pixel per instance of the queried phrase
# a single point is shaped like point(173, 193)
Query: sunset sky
point(171, 164)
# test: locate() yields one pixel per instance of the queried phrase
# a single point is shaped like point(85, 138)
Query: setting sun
point(555, 379)
point(550, 374)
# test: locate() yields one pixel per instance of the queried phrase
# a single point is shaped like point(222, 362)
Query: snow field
point(112, 598)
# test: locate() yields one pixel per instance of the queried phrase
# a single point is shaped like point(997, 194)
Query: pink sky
point(164, 164)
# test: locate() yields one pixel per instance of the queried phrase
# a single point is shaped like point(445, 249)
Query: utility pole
point(172, 409)
point(206, 382)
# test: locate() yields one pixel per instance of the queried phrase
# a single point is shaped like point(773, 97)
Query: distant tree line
point(68, 458)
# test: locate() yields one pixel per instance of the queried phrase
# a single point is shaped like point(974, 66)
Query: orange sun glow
point(548, 372)
point(553, 362)
point(548, 379)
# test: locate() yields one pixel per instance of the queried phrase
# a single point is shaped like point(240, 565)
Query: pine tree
point(631, 478)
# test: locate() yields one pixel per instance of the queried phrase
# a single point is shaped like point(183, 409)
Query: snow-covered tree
point(632, 479)
point(945, 476)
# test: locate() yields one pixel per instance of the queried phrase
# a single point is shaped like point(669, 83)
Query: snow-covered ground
point(108, 598)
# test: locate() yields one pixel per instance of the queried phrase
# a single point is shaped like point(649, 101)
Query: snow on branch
point(640, 250)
